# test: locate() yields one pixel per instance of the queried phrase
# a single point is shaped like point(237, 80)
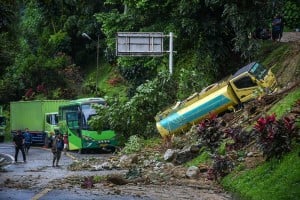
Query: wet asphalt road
point(38, 172)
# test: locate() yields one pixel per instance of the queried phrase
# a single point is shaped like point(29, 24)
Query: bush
point(275, 136)
point(222, 166)
point(292, 14)
point(209, 133)
point(133, 145)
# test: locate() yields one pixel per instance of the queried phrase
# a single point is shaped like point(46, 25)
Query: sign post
point(171, 53)
point(144, 44)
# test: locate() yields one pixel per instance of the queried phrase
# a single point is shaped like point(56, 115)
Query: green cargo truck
point(39, 116)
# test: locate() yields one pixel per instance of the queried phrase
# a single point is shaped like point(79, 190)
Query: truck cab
point(51, 122)
point(251, 81)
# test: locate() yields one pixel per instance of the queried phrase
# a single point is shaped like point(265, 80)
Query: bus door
point(74, 133)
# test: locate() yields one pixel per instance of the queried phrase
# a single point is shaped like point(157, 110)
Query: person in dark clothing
point(276, 28)
point(28, 140)
point(57, 147)
point(281, 26)
point(19, 141)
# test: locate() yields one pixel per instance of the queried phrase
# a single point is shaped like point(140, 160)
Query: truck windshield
point(52, 119)
point(258, 71)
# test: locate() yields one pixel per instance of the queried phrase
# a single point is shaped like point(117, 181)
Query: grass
point(277, 179)
point(203, 158)
point(284, 106)
point(277, 54)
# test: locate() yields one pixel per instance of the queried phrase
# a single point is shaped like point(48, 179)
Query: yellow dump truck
point(246, 84)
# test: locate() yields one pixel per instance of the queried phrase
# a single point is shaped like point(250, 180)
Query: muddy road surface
point(37, 179)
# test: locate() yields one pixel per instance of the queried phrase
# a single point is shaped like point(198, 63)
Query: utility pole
point(97, 58)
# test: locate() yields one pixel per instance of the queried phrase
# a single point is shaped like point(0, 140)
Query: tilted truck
point(245, 85)
point(39, 116)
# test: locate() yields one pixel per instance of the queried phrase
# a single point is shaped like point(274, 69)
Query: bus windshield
point(258, 71)
point(87, 113)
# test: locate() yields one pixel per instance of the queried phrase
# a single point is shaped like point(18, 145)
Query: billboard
point(139, 44)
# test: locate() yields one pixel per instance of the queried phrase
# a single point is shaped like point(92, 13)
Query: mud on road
point(37, 179)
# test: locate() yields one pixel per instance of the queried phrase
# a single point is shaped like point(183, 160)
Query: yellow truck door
point(245, 87)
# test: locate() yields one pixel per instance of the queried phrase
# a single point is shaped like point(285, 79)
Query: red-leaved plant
point(239, 137)
point(210, 133)
point(275, 136)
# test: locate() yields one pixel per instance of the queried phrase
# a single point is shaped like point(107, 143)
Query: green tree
point(136, 116)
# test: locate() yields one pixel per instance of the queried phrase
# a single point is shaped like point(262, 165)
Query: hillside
point(195, 170)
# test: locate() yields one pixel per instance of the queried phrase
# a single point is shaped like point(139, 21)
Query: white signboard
point(139, 44)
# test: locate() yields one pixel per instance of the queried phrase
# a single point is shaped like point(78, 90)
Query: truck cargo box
point(32, 115)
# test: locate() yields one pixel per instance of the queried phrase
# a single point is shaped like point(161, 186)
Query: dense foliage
point(136, 117)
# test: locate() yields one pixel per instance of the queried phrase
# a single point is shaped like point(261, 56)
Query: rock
point(249, 154)
point(146, 163)
point(170, 154)
point(192, 172)
point(194, 149)
point(117, 179)
point(203, 168)
point(107, 165)
point(126, 161)
point(169, 166)
point(186, 154)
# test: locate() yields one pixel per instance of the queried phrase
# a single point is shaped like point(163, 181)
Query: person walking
point(57, 147)
point(19, 141)
point(28, 140)
point(66, 143)
point(276, 28)
point(281, 26)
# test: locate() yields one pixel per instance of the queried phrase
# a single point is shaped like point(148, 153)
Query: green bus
point(73, 120)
